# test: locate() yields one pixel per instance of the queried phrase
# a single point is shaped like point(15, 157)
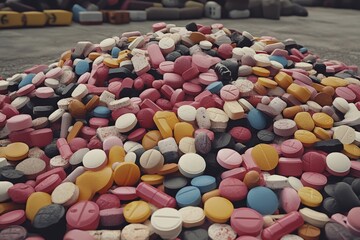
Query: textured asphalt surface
point(330, 33)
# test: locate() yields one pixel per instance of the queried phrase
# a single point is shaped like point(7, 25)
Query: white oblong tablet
point(126, 122)
point(345, 134)
point(94, 159)
point(80, 91)
point(295, 183)
point(167, 222)
point(78, 156)
point(192, 216)
point(191, 165)
point(65, 194)
point(318, 219)
point(107, 44)
point(276, 181)
point(56, 115)
point(131, 146)
point(20, 102)
point(4, 187)
point(338, 164)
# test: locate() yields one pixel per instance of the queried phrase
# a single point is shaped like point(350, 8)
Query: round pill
point(16, 151)
point(167, 222)
point(338, 164)
point(94, 159)
point(135, 231)
point(188, 196)
point(192, 216)
point(265, 156)
point(66, 194)
point(218, 209)
point(137, 212)
point(126, 174)
point(126, 122)
point(265, 208)
point(218, 231)
point(191, 165)
point(246, 221)
point(229, 158)
point(310, 197)
point(204, 183)
point(226, 189)
point(151, 161)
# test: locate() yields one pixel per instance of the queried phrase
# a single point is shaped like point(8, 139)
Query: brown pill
point(94, 102)
point(329, 90)
point(75, 130)
point(252, 179)
point(309, 232)
point(77, 109)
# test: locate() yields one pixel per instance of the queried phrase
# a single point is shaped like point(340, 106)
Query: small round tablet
point(167, 222)
point(94, 159)
point(338, 164)
point(126, 122)
point(192, 216)
point(191, 165)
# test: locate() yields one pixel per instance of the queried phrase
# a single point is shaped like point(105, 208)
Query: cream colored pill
point(192, 216)
point(95, 159)
point(345, 134)
point(187, 145)
point(66, 194)
point(126, 122)
point(80, 91)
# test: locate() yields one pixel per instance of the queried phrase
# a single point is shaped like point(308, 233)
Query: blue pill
point(280, 59)
point(101, 112)
point(26, 80)
point(204, 183)
point(257, 119)
point(188, 196)
point(263, 200)
point(115, 52)
point(76, 9)
point(303, 50)
point(82, 67)
point(215, 87)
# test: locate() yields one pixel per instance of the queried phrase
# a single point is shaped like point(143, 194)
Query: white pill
point(187, 145)
point(192, 216)
point(126, 122)
point(168, 145)
point(65, 194)
point(94, 159)
point(187, 113)
point(206, 45)
point(221, 231)
point(345, 134)
point(295, 183)
point(20, 102)
point(107, 44)
point(191, 165)
point(80, 91)
point(167, 223)
point(131, 146)
point(338, 164)
point(315, 218)
point(276, 182)
point(4, 187)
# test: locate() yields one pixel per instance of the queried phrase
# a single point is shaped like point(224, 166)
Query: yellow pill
point(307, 138)
point(261, 72)
point(299, 92)
point(218, 209)
point(151, 139)
point(152, 179)
point(111, 63)
point(16, 151)
point(323, 120)
point(334, 82)
point(266, 82)
point(304, 121)
point(168, 168)
point(2, 152)
point(183, 129)
point(137, 212)
point(352, 151)
point(36, 201)
point(94, 55)
point(265, 156)
point(322, 133)
point(91, 182)
point(310, 197)
point(208, 195)
point(284, 80)
point(116, 154)
point(126, 174)
point(165, 121)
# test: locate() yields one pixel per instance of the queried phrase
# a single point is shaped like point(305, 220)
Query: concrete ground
point(331, 33)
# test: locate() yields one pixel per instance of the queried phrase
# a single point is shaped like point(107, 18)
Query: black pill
point(240, 148)
point(173, 184)
point(52, 101)
point(233, 66)
point(331, 206)
point(13, 176)
point(87, 98)
point(355, 185)
point(50, 221)
point(345, 196)
point(213, 168)
point(27, 109)
point(120, 72)
point(202, 143)
point(211, 52)
point(13, 233)
point(244, 42)
point(332, 145)
point(223, 73)
point(66, 92)
point(42, 111)
point(195, 234)
point(155, 73)
point(330, 190)
point(51, 150)
point(184, 50)
point(222, 140)
point(173, 56)
point(320, 68)
point(265, 136)
point(191, 27)
point(171, 157)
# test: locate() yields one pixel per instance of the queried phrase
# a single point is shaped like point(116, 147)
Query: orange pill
point(260, 89)
point(352, 151)
point(77, 109)
point(334, 82)
point(307, 138)
point(329, 90)
point(126, 174)
point(168, 169)
point(93, 103)
point(267, 82)
point(116, 154)
point(300, 93)
point(111, 63)
point(208, 195)
point(284, 80)
point(94, 55)
point(75, 130)
point(309, 232)
point(16, 151)
point(151, 139)
point(152, 179)
point(265, 156)
point(261, 72)
point(290, 112)
point(183, 129)
point(323, 120)
point(321, 133)
point(304, 121)
point(252, 179)
point(165, 121)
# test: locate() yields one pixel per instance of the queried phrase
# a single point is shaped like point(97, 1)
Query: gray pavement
point(331, 33)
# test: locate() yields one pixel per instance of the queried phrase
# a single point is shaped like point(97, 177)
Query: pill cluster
point(195, 132)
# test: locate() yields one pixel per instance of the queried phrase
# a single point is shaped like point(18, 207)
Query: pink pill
point(229, 158)
point(229, 93)
point(289, 200)
point(345, 93)
point(314, 162)
point(209, 133)
point(22, 136)
point(84, 78)
point(107, 201)
point(208, 77)
point(314, 180)
point(355, 169)
point(182, 64)
point(150, 93)
point(25, 90)
point(356, 89)
point(48, 184)
point(59, 171)
point(137, 135)
point(145, 118)
point(78, 234)
point(98, 122)
point(289, 167)
point(44, 92)
point(158, 26)
point(225, 51)
point(164, 104)
point(190, 73)
point(238, 173)
point(248, 162)
point(20, 192)
point(192, 89)
point(227, 187)
point(19, 122)
point(111, 141)
point(54, 73)
point(302, 77)
point(41, 137)
point(16, 217)
point(177, 96)
point(84, 215)
point(158, 84)
point(77, 143)
point(154, 196)
point(173, 80)
point(292, 148)
point(166, 67)
point(112, 217)
point(139, 84)
point(246, 221)
point(125, 193)
point(240, 134)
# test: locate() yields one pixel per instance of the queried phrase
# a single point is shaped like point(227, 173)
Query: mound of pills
point(195, 132)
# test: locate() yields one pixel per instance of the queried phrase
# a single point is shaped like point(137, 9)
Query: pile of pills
point(192, 133)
